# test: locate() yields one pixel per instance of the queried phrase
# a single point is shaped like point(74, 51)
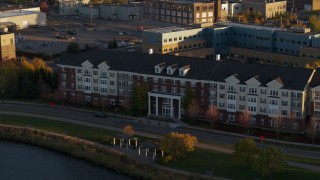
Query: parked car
point(101, 115)
point(72, 32)
point(34, 26)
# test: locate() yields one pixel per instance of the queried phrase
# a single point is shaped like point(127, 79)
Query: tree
point(257, 21)
point(244, 152)
point(312, 128)
point(139, 99)
point(187, 98)
point(244, 120)
point(277, 124)
point(212, 114)
point(176, 144)
point(73, 47)
point(128, 130)
point(114, 43)
point(270, 160)
point(194, 110)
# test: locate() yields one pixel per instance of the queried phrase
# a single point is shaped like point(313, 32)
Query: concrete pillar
point(129, 141)
point(139, 150)
point(155, 152)
point(146, 152)
point(157, 106)
point(136, 142)
point(120, 143)
point(162, 153)
point(114, 141)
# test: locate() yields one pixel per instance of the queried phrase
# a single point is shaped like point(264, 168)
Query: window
point(87, 72)
point(231, 97)
point(242, 89)
point(111, 74)
point(252, 99)
point(221, 86)
point(222, 96)
point(231, 117)
point(284, 103)
point(155, 88)
point(284, 112)
point(273, 93)
point(231, 88)
point(213, 85)
point(253, 90)
point(252, 120)
point(271, 122)
point(262, 122)
point(221, 104)
point(252, 108)
point(95, 72)
point(112, 83)
point(273, 102)
point(285, 94)
point(79, 70)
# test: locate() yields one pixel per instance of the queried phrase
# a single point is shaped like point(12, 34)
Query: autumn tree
point(176, 144)
point(194, 110)
point(277, 121)
point(314, 23)
point(244, 120)
point(128, 130)
point(139, 99)
point(212, 114)
point(312, 128)
point(270, 160)
point(244, 152)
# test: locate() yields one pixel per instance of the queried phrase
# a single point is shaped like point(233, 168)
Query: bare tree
point(244, 120)
point(212, 114)
point(277, 120)
point(194, 109)
point(312, 127)
point(291, 121)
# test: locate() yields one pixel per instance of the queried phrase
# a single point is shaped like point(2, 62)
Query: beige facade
point(180, 12)
point(8, 48)
point(267, 8)
point(24, 18)
point(307, 55)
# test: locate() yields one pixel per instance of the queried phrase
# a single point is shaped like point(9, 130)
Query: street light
point(65, 17)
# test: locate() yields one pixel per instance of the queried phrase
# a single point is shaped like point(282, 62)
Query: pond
point(22, 161)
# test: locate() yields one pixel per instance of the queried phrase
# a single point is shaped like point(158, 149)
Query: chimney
point(217, 10)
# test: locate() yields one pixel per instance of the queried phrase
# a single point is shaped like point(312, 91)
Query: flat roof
point(16, 13)
point(251, 26)
point(169, 29)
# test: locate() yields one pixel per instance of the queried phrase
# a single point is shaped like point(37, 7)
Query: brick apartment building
point(100, 76)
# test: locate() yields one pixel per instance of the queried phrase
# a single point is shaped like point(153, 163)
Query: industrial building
point(7, 46)
point(268, 8)
point(23, 18)
point(292, 46)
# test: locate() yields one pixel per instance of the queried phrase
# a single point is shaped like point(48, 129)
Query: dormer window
point(159, 67)
point(184, 70)
point(171, 69)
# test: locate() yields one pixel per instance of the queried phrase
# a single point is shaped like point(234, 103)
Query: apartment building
point(7, 46)
point(268, 8)
point(180, 12)
point(265, 91)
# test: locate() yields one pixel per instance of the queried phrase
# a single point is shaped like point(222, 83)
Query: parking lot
point(44, 39)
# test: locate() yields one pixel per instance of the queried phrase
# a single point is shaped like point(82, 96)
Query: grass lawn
point(221, 165)
point(199, 161)
point(85, 132)
point(311, 161)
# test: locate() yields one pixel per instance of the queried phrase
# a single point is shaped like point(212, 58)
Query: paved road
point(119, 123)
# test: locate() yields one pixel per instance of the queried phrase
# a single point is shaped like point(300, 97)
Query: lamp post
point(65, 17)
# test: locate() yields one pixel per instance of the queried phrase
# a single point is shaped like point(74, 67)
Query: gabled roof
point(200, 69)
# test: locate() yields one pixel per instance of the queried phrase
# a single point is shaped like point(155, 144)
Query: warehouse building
point(23, 18)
